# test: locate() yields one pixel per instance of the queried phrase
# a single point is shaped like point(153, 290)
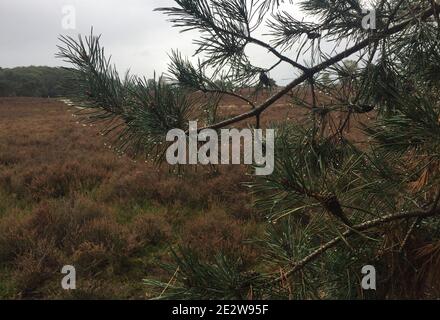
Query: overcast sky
point(136, 37)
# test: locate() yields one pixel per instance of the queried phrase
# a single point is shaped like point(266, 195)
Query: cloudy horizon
point(138, 38)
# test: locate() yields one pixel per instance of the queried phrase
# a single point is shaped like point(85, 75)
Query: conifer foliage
point(332, 205)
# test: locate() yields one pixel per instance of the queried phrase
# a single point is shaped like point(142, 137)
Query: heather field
point(206, 151)
point(66, 198)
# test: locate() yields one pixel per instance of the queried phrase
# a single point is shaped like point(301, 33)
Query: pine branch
point(229, 34)
point(353, 231)
point(147, 109)
point(195, 78)
point(314, 70)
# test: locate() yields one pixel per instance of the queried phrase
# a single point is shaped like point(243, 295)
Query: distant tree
point(332, 205)
point(34, 82)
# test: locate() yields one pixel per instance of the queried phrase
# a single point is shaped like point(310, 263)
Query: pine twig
point(360, 227)
point(408, 234)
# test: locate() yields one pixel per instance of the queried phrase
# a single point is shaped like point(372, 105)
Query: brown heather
point(67, 199)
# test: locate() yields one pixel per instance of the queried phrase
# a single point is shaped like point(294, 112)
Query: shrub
point(216, 232)
point(151, 230)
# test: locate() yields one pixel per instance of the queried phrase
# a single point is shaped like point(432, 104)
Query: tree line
point(34, 81)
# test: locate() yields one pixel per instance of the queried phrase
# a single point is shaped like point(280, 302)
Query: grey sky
point(136, 37)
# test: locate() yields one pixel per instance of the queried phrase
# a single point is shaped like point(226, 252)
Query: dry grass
point(66, 199)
